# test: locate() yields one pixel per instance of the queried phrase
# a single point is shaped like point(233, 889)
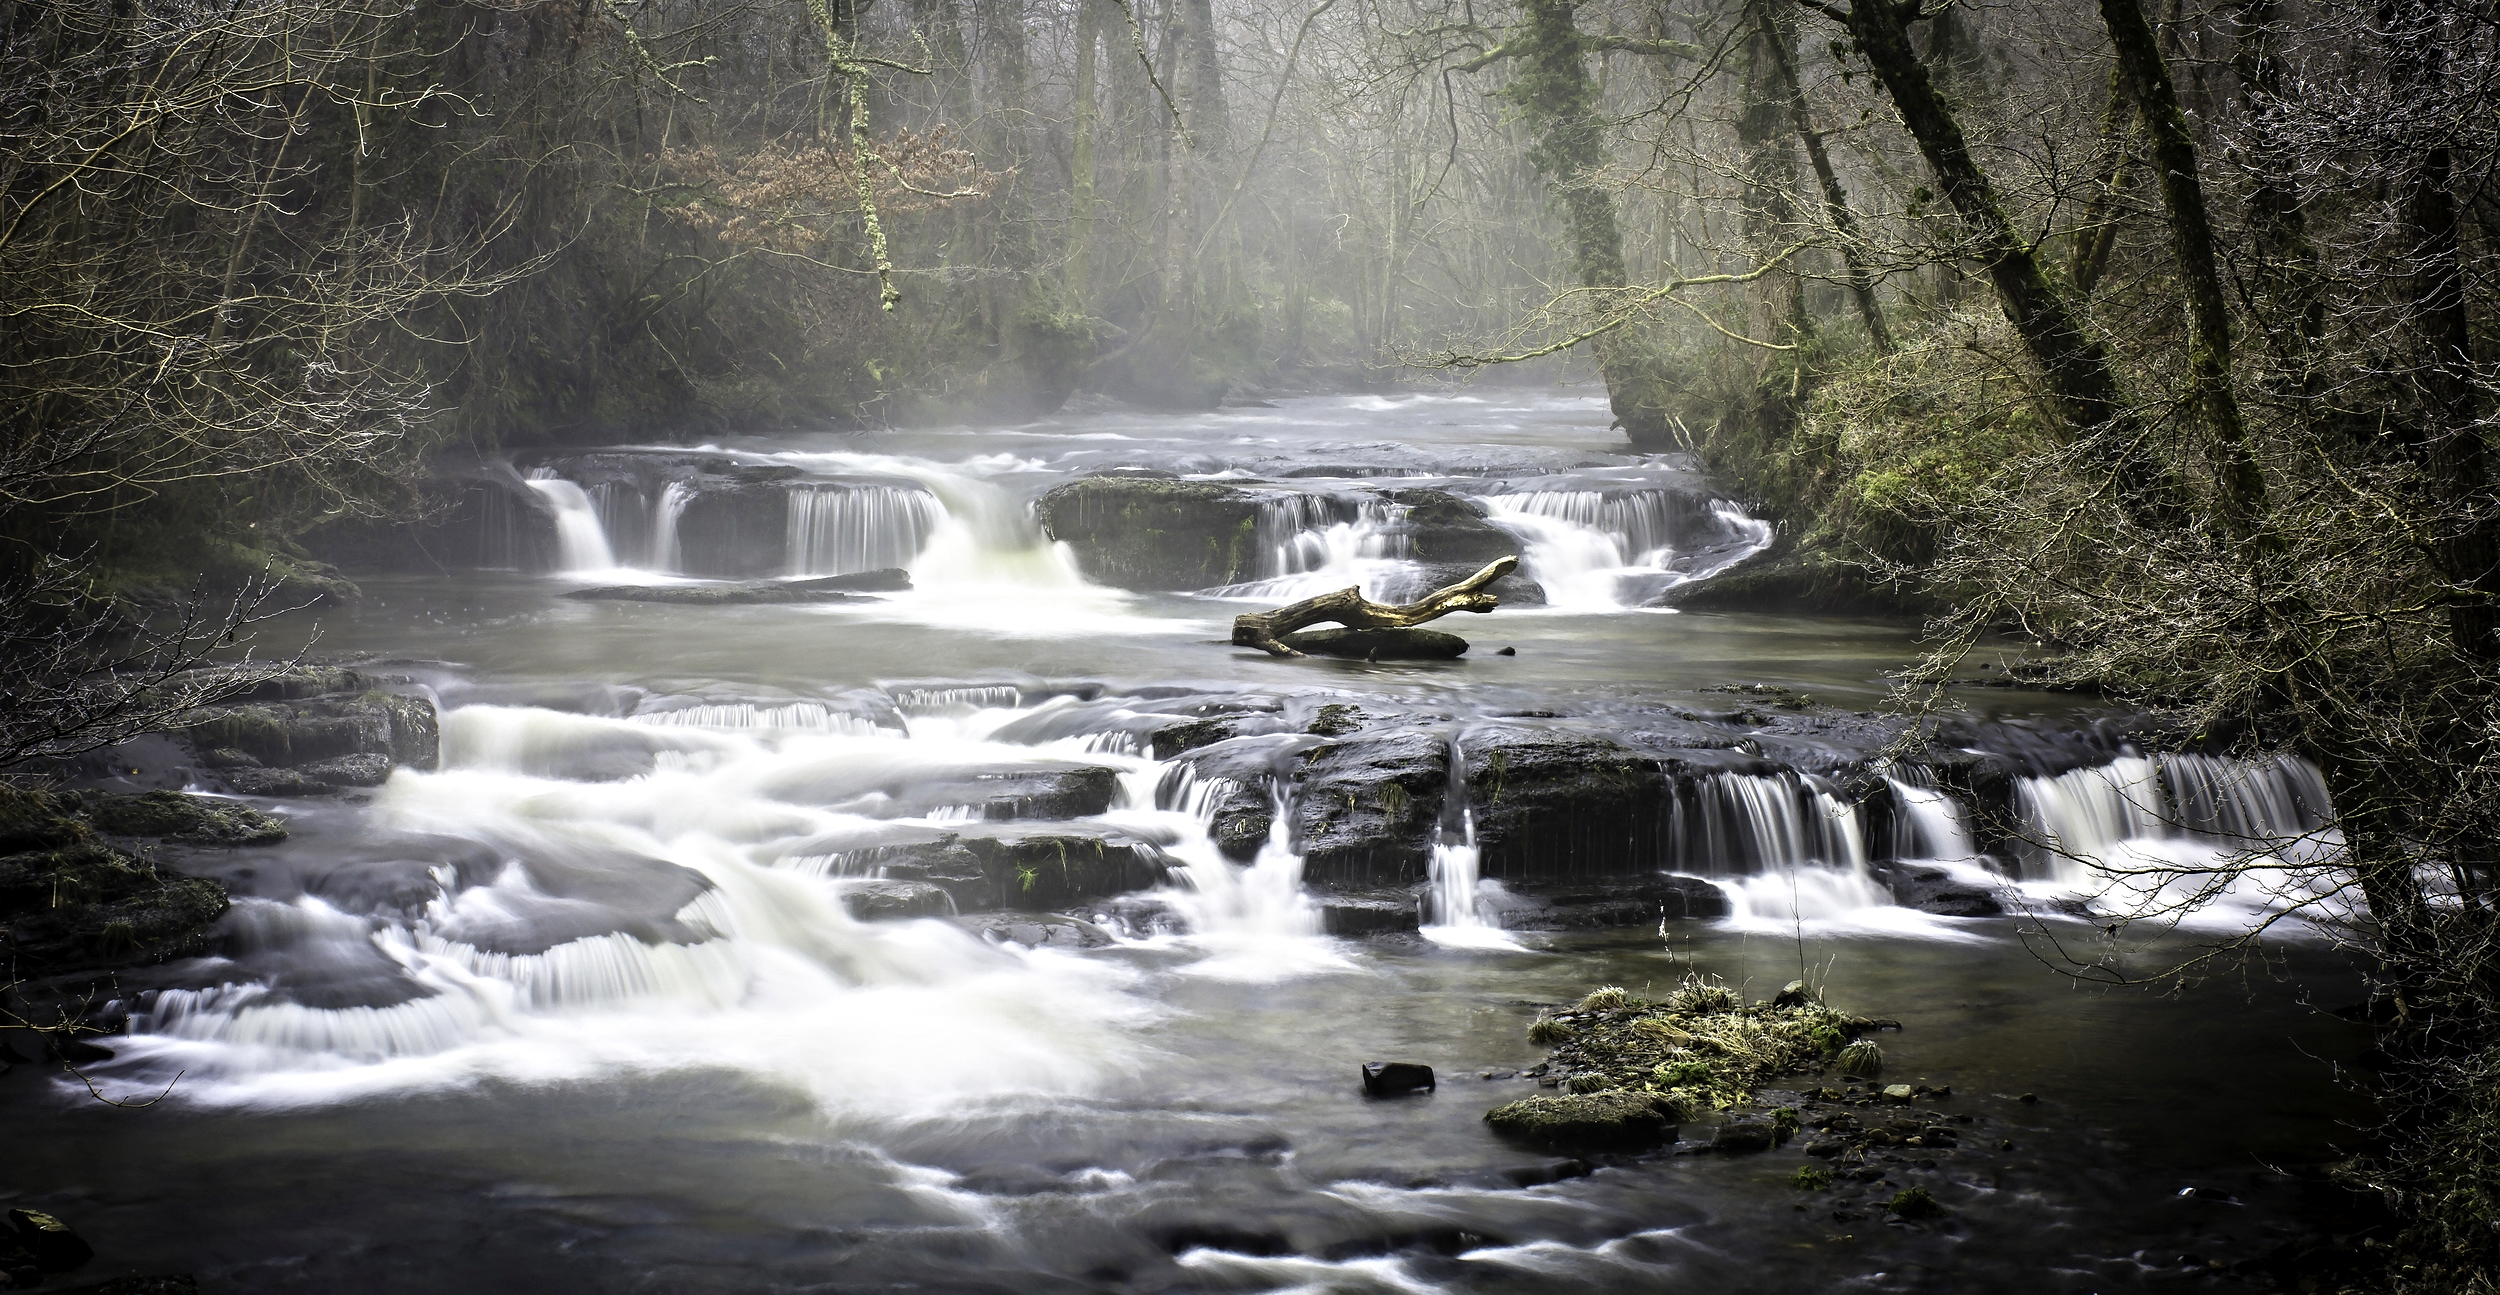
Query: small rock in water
point(55, 1248)
point(1897, 1092)
point(1793, 994)
point(1508, 651)
point(1396, 1078)
point(1743, 1136)
point(1611, 1121)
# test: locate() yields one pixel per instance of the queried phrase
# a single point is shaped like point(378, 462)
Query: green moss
point(1915, 1204)
point(1811, 1178)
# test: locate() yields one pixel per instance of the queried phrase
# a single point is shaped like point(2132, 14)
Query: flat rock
point(1598, 902)
point(890, 901)
point(1374, 912)
point(1155, 533)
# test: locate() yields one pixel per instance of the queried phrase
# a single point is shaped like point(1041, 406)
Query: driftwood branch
point(1266, 631)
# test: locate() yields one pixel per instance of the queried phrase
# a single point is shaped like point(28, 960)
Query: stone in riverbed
point(893, 901)
point(1396, 1078)
point(1741, 1136)
point(1938, 891)
point(55, 1248)
point(1619, 1120)
point(1376, 912)
point(1380, 644)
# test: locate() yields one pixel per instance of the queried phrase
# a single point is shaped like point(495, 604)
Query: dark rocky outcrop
point(1244, 809)
point(819, 589)
point(1369, 808)
point(191, 820)
point(1620, 1120)
point(70, 903)
point(886, 901)
point(1379, 644)
point(300, 731)
point(1150, 533)
point(1552, 804)
point(1451, 536)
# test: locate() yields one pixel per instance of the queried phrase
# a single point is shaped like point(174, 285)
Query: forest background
point(2157, 333)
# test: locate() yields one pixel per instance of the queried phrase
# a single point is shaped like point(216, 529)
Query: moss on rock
point(1620, 1120)
point(192, 820)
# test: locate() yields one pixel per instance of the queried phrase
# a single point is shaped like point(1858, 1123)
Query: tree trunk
point(1348, 607)
point(2240, 488)
point(1766, 143)
point(1835, 199)
point(1084, 122)
point(2082, 387)
point(2098, 233)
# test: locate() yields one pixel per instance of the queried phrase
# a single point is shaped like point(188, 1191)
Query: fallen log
point(1266, 631)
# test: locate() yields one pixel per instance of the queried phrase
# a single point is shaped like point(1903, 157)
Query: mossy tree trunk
point(2240, 490)
point(1767, 146)
point(1550, 84)
point(2081, 383)
point(1835, 198)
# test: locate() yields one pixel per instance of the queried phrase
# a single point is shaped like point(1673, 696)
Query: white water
point(581, 542)
point(1308, 546)
point(1928, 825)
point(668, 551)
point(1597, 551)
point(838, 531)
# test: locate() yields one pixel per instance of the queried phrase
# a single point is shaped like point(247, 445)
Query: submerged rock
point(1938, 891)
point(820, 589)
point(1620, 1120)
point(1373, 912)
point(1031, 873)
point(1151, 533)
point(1741, 1136)
point(1379, 645)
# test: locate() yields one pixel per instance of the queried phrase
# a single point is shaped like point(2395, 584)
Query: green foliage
point(1605, 998)
point(1546, 1032)
point(1915, 1204)
point(1811, 1178)
point(1860, 1060)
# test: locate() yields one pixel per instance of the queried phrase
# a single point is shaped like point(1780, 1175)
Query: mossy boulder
point(86, 907)
point(1619, 1120)
point(192, 820)
point(1156, 533)
point(284, 733)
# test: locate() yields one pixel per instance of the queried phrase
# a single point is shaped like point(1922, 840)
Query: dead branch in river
point(1266, 631)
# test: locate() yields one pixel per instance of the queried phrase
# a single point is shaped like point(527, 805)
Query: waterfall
point(668, 552)
point(1457, 918)
point(1602, 550)
point(1310, 544)
point(1751, 823)
point(2083, 818)
point(581, 542)
point(838, 530)
point(1927, 824)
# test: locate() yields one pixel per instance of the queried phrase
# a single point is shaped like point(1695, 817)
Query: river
point(593, 1005)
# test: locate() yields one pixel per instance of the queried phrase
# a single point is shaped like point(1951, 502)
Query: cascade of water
point(839, 530)
point(1600, 550)
point(1748, 823)
point(2089, 817)
point(1927, 824)
point(1310, 544)
point(1454, 870)
point(581, 542)
point(668, 552)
